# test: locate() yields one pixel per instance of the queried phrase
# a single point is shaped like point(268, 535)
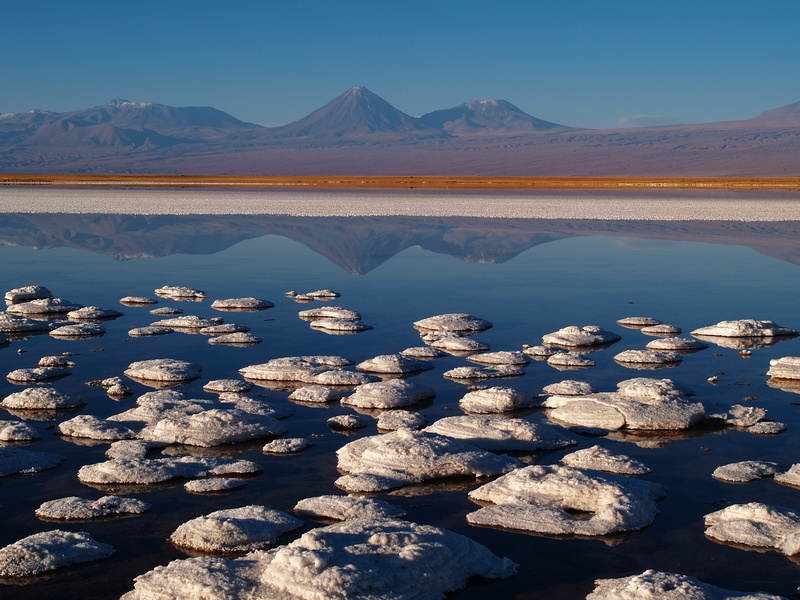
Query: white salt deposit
point(740, 415)
point(50, 550)
point(790, 477)
point(305, 369)
point(343, 508)
point(17, 324)
point(500, 358)
point(242, 304)
point(185, 322)
point(286, 445)
point(215, 484)
point(316, 394)
point(28, 292)
point(17, 431)
point(219, 386)
point(36, 374)
point(43, 306)
point(570, 360)
point(18, 460)
point(497, 399)
point(540, 352)
point(166, 310)
point(569, 387)
point(394, 393)
point(92, 313)
point(163, 369)
point(454, 342)
point(148, 331)
point(475, 373)
point(500, 434)
point(648, 357)
point(637, 322)
point(90, 427)
point(405, 456)
point(392, 420)
point(177, 291)
point(234, 530)
point(339, 325)
point(756, 524)
point(348, 422)
point(746, 471)
point(153, 406)
point(423, 352)
point(156, 470)
point(134, 300)
point(325, 294)
point(132, 448)
point(236, 339)
point(224, 328)
point(744, 328)
point(78, 331)
point(573, 335)
point(767, 428)
point(666, 586)
point(40, 398)
point(330, 312)
point(393, 364)
point(74, 507)
point(62, 362)
point(212, 428)
point(675, 344)
point(787, 367)
point(661, 329)
point(462, 322)
point(601, 459)
point(537, 498)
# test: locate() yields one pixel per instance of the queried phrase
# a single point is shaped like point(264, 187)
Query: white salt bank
point(212, 427)
point(50, 550)
point(756, 524)
point(392, 420)
point(157, 470)
point(499, 434)
point(18, 460)
point(393, 364)
point(286, 446)
point(453, 342)
point(76, 508)
point(787, 367)
point(497, 399)
point(163, 370)
point(44, 306)
point(17, 431)
point(28, 292)
point(41, 398)
point(342, 508)
point(394, 393)
point(477, 373)
point(601, 459)
point(744, 328)
point(462, 322)
point(746, 471)
point(573, 335)
point(241, 304)
point(90, 313)
point(180, 292)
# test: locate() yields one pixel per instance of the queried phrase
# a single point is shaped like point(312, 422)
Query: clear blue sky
point(589, 63)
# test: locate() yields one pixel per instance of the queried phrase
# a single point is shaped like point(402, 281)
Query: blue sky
point(588, 63)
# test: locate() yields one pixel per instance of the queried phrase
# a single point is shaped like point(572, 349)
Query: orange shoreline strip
point(410, 182)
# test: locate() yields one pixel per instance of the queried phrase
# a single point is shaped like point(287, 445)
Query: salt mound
point(166, 310)
point(137, 300)
point(484, 372)
point(675, 344)
point(43, 306)
point(330, 312)
point(787, 367)
point(62, 362)
point(16, 324)
point(156, 470)
point(662, 329)
point(146, 331)
point(286, 446)
point(40, 398)
point(569, 387)
point(212, 427)
point(407, 456)
point(235, 339)
point(316, 394)
point(17, 460)
point(537, 498)
point(746, 471)
point(540, 352)
point(219, 386)
point(790, 477)
point(570, 360)
point(744, 328)
point(234, 530)
point(423, 352)
point(131, 448)
point(499, 434)
point(340, 325)
point(496, 399)
point(453, 322)
point(305, 369)
point(342, 508)
point(393, 393)
point(36, 374)
point(323, 294)
point(392, 420)
point(590, 335)
point(393, 364)
point(185, 322)
point(224, 328)
point(454, 342)
point(650, 357)
point(638, 322)
point(74, 507)
point(241, 304)
point(78, 330)
point(177, 291)
point(154, 406)
point(50, 550)
point(359, 559)
point(666, 586)
point(756, 524)
point(163, 369)
point(348, 422)
point(28, 292)
point(93, 313)
point(600, 459)
point(216, 484)
point(500, 358)
point(88, 426)
point(17, 431)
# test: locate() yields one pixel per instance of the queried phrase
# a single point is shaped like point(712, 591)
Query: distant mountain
point(788, 115)
point(486, 117)
point(355, 113)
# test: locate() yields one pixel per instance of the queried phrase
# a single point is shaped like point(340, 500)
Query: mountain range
point(361, 133)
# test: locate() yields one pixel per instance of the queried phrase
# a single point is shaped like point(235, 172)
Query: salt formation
point(393, 393)
point(74, 507)
point(36, 374)
point(304, 369)
point(316, 394)
point(590, 335)
point(637, 322)
point(16, 324)
point(423, 352)
point(393, 364)
point(44, 306)
point(639, 403)
point(340, 325)
point(166, 310)
point(453, 341)
point(756, 524)
point(224, 328)
point(50, 550)
point(348, 422)
point(163, 370)
point(17, 460)
point(500, 358)
point(790, 477)
point(358, 559)
point(28, 292)
point(752, 419)
point(744, 328)
point(235, 339)
point(40, 398)
point(17, 431)
point(666, 586)
point(219, 386)
point(156, 470)
point(90, 427)
point(394, 459)
point(330, 312)
point(787, 367)
point(178, 292)
point(647, 357)
point(746, 471)
point(462, 322)
point(325, 294)
point(540, 352)
point(148, 331)
point(569, 387)
point(132, 448)
point(342, 508)
point(62, 362)
point(190, 322)
point(569, 360)
point(286, 446)
point(212, 427)
point(78, 330)
point(143, 300)
point(662, 329)
point(500, 434)
point(241, 304)
point(675, 344)
point(496, 399)
point(392, 420)
point(484, 372)
point(90, 313)
point(216, 484)
point(600, 459)
point(537, 498)
point(234, 530)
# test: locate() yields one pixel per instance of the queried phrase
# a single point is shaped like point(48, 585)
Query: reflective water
point(528, 278)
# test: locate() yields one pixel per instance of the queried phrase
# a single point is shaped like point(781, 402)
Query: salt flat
point(602, 205)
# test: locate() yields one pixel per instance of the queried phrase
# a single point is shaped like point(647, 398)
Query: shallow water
point(526, 291)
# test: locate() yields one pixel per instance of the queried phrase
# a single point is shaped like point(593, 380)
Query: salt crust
point(639, 403)
point(666, 586)
point(330, 312)
point(569, 387)
point(36, 374)
point(638, 322)
point(62, 362)
point(359, 559)
point(237, 338)
point(343, 508)
point(739, 415)
point(756, 524)
point(304, 369)
point(675, 344)
point(43, 306)
point(339, 325)
point(601, 459)
point(166, 310)
point(137, 300)
point(219, 386)
point(28, 292)
point(17, 431)
point(88, 426)
point(661, 329)
point(132, 448)
point(540, 352)
point(286, 445)
point(17, 460)
point(212, 427)
point(184, 322)
point(500, 358)
point(498, 434)
point(484, 372)
point(78, 330)
point(74, 507)
point(744, 328)
point(746, 471)
point(234, 530)
point(537, 498)
point(241, 304)
point(163, 369)
point(454, 341)
point(156, 470)
point(497, 399)
point(767, 428)
point(147, 331)
point(453, 322)
point(50, 550)
point(323, 294)
point(570, 360)
point(40, 398)
point(177, 291)
point(316, 394)
point(348, 422)
point(404, 456)
point(93, 312)
point(215, 484)
point(393, 393)
point(787, 367)
point(393, 364)
point(16, 324)
point(423, 352)
point(589, 335)
point(790, 477)
point(655, 357)
point(392, 420)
